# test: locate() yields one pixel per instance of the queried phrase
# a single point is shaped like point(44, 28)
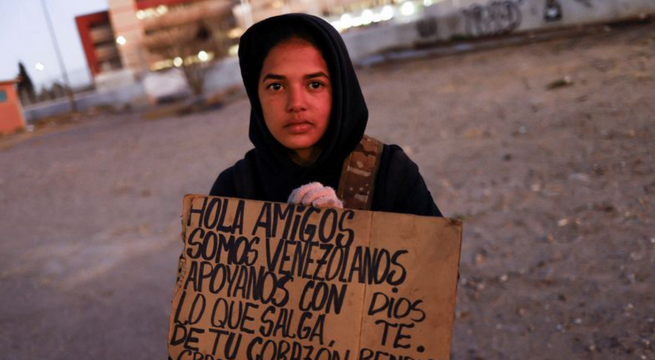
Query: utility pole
point(69, 89)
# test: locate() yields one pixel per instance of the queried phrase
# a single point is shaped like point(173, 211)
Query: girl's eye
point(315, 85)
point(274, 86)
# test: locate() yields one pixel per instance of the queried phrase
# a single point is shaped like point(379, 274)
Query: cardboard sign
point(268, 281)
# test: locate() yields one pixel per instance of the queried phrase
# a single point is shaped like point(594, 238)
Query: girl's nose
point(296, 100)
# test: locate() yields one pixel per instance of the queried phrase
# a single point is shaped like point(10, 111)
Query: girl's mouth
point(299, 126)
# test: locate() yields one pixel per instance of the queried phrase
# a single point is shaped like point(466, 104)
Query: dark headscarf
point(277, 173)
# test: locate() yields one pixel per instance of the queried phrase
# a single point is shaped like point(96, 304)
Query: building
point(137, 36)
point(11, 112)
point(157, 34)
point(99, 42)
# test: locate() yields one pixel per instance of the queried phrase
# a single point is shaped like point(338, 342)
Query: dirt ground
point(545, 150)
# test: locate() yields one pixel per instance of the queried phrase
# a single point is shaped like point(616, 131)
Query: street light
point(387, 13)
point(121, 40)
point(39, 66)
point(51, 29)
point(407, 9)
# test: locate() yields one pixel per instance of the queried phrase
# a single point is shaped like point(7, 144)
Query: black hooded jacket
point(268, 173)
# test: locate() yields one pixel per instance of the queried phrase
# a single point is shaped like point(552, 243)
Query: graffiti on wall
point(495, 18)
point(427, 27)
point(553, 11)
point(586, 3)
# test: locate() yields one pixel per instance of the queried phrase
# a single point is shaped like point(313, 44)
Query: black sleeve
point(224, 184)
point(399, 186)
point(240, 180)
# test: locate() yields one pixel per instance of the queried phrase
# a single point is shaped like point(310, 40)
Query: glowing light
point(387, 13)
point(178, 61)
point(234, 50)
point(346, 21)
point(203, 56)
point(39, 66)
point(121, 40)
point(337, 25)
point(408, 9)
point(140, 14)
point(162, 9)
point(427, 2)
point(234, 33)
point(367, 17)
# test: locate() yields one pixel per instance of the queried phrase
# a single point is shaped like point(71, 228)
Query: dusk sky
point(24, 36)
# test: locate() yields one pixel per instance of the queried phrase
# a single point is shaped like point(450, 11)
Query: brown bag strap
point(357, 183)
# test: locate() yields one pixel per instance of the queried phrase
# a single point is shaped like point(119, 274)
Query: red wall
point(84, 23)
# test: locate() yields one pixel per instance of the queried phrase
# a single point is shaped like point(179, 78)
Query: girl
point(307, 122)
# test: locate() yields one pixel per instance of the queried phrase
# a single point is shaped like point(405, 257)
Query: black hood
point(348, 116)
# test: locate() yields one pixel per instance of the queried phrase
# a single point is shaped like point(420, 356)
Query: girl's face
point(296, 97)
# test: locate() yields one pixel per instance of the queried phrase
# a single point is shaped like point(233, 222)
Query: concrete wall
point(222, 76)
point(116, 98)
point(219, 77)
point(474, 19)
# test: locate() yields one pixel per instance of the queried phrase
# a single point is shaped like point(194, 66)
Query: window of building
point(3, 96)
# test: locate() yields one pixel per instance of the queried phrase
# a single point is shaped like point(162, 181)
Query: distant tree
point(45, 94)
point(58, 90)
point(185, 42)
point(25, 86)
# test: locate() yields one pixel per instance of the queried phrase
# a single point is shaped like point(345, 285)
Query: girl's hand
point(316, 195)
